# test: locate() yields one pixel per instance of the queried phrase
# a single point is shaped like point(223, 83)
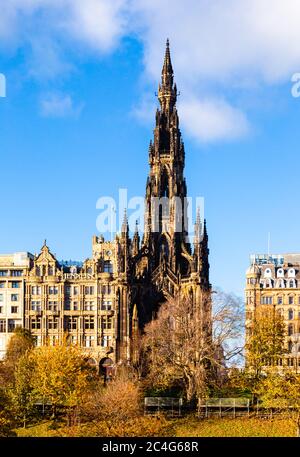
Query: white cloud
point(59, 105)
point(217, 46)
point(211, 120)
point(220, 47)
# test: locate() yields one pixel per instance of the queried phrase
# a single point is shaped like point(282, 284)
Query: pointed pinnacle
point(205, 229)
point(125, 222)
point(167, 67)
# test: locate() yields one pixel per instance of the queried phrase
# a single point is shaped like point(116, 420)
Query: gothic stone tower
point(165, 264)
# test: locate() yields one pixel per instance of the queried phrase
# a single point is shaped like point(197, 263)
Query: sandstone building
point(274, 280)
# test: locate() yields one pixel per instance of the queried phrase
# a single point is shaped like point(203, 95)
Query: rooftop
point(275, 259)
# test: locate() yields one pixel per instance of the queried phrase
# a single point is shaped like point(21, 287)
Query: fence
point(222, 407)
point(168, 405)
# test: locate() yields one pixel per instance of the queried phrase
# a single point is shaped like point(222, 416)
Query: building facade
point(13, 271)
point(274, 280)
point(104, 303)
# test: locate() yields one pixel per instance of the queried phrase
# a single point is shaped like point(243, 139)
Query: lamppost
point(295, 339)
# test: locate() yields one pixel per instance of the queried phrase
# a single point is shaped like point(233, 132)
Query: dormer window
point(291, 273)
point(268, 273)
point(280, 273)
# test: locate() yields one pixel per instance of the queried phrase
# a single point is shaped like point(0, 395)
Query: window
point(291, 300)
point(38, 340)
point(3, 273)
point(72, 323)
point(1, 297)
point(2, 325)
point(75, 306)
point(14, 309)
point(89, 290)
point(290, 346)
point(106, 289)
point(88, 341)
point(53, 290)
point(89, 323)
point(291, 314)
point(75, 290)
point(11, 325)
point(89, 306)
point(36, 306)
point(268, 283)
point(279, 300)
point(2, 284)
point(280, 284)
point(14, 297)
point(280, 273)
point(15, 285)
point(16, 273)
point(266, 300)
point(36, 290)
point(73, 339)
point(105, 341)
point(1, 309)
point(36, 323)
point(291, 273)
point(52, 306)
point(52, 323)
point(89, 271)
point(53, 339)
point(106, 305)
point(106, 322)
point(68, 290)
point(67, 305)
point(108, 267)
point(50, 271)
point(290, 330)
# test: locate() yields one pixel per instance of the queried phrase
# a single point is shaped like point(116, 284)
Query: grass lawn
point(187, 427)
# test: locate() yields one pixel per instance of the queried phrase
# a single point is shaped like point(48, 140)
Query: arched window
point(292, 283)
point(290, 330)
point(268, 273)
point(164, 184)
point(280, 273)
point(291, 273)
point(291, 314)
point(268, 283)
point(89, 271)
point(280, 284)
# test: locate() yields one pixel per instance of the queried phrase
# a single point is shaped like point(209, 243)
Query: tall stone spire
point(167, 90)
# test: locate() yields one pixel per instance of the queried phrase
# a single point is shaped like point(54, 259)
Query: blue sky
point(79, 113)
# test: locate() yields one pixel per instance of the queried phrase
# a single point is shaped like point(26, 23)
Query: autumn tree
point(112, 407)
point(20, 342)
point(265, 341)
point(281, 391)
point(22, 395)
point(60, 377)
point(182, 347)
